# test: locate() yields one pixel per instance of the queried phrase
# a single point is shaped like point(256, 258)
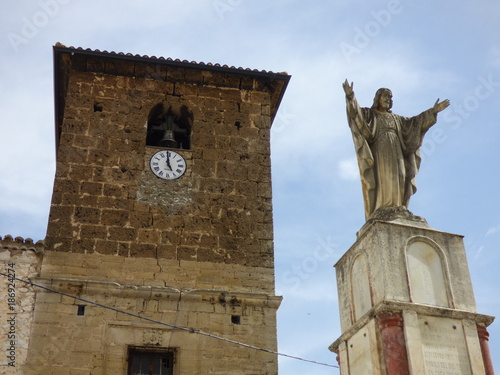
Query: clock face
point(167, 164)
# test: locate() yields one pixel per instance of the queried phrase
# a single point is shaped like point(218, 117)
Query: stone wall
point(107, 201)
point(19, 259)
point(96, 342)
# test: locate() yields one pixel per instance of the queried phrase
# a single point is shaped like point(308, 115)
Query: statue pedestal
point(407, 305)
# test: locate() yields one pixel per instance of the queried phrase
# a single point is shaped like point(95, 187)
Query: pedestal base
point(411, 339)
point(407, 305)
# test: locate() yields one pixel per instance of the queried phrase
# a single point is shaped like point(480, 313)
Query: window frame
point(153, 352)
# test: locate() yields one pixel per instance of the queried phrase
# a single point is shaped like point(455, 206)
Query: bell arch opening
point(169, 126)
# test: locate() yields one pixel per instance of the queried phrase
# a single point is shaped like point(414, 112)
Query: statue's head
point(383, 97)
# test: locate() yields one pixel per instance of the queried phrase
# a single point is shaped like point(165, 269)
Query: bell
point(168, 139)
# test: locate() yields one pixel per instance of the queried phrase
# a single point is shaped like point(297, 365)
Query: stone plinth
point(407, 305)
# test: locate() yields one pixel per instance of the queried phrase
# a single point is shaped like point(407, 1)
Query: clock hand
point(168, 160)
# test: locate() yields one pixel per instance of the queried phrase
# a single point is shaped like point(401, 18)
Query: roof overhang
point(70, 58)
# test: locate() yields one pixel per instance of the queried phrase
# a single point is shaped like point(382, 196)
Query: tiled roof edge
point(201, 65)
point(20, 243)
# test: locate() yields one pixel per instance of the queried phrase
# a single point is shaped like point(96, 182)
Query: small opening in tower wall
point(169, 125)
point(97, 107)
point(235, 319)
point(81, 310)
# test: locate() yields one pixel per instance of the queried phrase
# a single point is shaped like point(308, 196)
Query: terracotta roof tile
point(20, 243)
point(209, 64)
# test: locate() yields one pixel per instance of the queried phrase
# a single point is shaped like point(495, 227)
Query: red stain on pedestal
point(393, 344)
point(485, 349)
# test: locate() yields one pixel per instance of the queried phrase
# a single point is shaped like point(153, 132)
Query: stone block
point(205, 168)
point(186, 90)
point(81, 172)
point(106, 247)
point(83, 245)
point(166, 252)
point(143, 250)
point(114, 190)
point(87, 215)
point(114, 217)
point(122, 234)
point(186, 253)
point(93, 231)
point(71, 127)
point(149, 236)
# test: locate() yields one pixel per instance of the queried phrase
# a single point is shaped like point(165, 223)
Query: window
point(169, 126)
point(150, 361)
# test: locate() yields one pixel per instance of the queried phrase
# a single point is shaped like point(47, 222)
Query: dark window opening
point(150, 361)
point(235, 319)
point(169, 126)
point(81, 310)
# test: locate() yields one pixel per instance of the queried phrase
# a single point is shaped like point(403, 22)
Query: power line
point(191, 330)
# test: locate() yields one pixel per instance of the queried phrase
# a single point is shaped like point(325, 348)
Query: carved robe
point(387, 148)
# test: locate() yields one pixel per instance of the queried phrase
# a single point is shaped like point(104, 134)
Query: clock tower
point(161, 210)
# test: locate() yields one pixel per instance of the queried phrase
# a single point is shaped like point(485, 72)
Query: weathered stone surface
point(363, 351)
point(196, 251)
point(413, 281)
point(18, 260)
point(386, 245)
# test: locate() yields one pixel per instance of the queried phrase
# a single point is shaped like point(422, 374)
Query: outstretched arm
point(348, 89)
point(428, 118)
point(439, 106)
point(355, 113)
point(353, 109)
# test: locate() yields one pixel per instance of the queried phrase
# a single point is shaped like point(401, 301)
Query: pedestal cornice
point(397, 307)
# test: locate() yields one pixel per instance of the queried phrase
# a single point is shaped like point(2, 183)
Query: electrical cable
point(191, 330)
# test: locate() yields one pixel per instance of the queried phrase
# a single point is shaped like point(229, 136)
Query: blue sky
point(421, 50)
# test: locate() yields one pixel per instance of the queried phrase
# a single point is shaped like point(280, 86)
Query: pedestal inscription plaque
point(444, 346)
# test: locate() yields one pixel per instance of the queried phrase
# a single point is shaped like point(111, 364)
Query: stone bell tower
point(405, 294)
point(162, 209)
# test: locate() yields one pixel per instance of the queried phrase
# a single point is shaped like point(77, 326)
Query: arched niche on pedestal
point(427, 273)
point(361, 294)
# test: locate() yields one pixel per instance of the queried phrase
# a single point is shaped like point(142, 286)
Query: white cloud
point(493, 230)
point(348, 169)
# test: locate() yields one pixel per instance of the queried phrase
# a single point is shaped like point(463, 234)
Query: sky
point(421, 50)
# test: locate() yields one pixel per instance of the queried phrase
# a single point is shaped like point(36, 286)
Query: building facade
point(162, 210)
